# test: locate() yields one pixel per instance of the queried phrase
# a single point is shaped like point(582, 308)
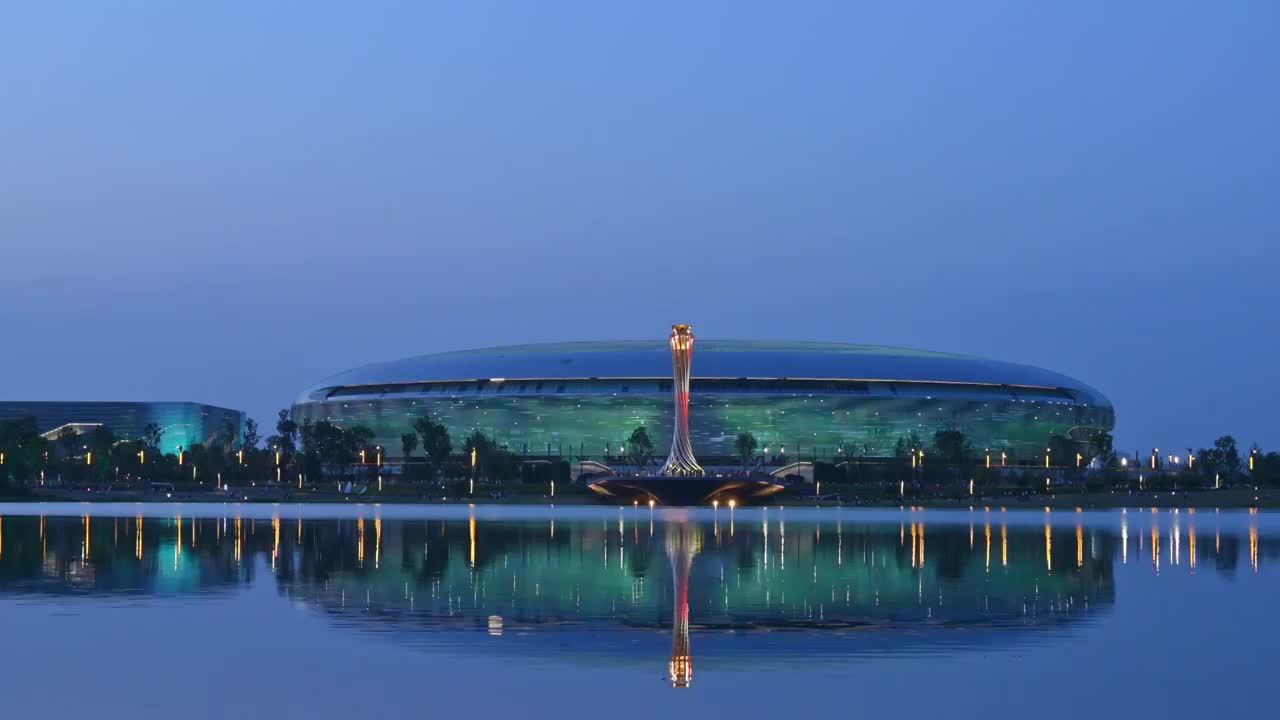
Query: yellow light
point(732, 503)
point(240, 456)
point(1, 458)
point(277, 457)
point(180, 456)
point(88, 459)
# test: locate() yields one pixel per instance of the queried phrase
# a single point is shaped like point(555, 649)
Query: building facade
point(799, 399)
point(183, 423)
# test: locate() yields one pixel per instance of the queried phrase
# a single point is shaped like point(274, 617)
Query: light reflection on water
point(741, 591)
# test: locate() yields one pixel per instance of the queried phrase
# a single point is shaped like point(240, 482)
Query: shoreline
point(1227, 498)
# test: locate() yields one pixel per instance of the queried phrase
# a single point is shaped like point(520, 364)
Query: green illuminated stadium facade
point(798, 399)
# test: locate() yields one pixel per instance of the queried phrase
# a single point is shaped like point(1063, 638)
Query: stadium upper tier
point(725, 360)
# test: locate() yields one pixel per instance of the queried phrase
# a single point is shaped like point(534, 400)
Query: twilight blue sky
point(227, 201)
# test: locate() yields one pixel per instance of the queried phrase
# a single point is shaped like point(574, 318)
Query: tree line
point(308, 453)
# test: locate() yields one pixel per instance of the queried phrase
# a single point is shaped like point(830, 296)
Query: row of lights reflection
point(1147, 542)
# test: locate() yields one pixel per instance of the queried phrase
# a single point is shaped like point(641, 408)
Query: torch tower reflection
point(684, 541)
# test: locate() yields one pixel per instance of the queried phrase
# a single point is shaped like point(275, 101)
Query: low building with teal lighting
point(183, 424)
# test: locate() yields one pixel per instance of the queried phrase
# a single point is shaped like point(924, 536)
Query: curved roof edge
point(712, 359)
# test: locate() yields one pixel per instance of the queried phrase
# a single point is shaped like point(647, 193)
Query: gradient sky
point(225, 202)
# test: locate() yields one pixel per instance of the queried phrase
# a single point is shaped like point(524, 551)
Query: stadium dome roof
point(712, 359)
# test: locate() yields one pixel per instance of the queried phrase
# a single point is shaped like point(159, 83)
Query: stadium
point(802, 400)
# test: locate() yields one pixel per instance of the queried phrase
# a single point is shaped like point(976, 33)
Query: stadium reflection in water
point(846, 583)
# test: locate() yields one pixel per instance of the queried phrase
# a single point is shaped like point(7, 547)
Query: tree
point(479, 447)
point(907, 445)
point(745, 446)
point(101, 442)
point(1222, 460)
point(436, 443)
point(1062, 451)
point(23, 449)
point(230, 434)
point(325, 445)
point(353, 441)
point(69, 442)
point(151, 437)
point(492, 462)
point(285, 441)
point(1266, 468)
point(1102, 448)
point(408, 443)
point(953, 448)
point(640, 447)
point(249, 441)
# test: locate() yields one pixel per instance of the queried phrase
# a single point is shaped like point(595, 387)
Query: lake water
point(209, 611)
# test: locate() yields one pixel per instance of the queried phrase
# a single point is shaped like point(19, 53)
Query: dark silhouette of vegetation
point(953, 451)
point(312, 454)
point(436, 443)
point(745, 445)
point(640, 447)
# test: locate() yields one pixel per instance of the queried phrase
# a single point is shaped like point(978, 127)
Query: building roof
point(711, 359)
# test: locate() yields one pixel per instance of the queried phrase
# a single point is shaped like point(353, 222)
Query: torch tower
point(681, 463)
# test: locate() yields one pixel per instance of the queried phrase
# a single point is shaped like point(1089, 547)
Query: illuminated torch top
point(682, 337)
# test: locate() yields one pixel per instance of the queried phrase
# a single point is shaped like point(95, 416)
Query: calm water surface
point(196, 611)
